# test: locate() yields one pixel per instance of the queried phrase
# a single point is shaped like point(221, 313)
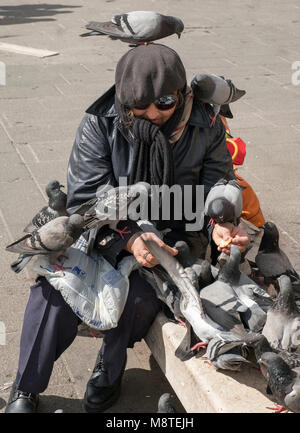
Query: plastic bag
point(93, 288)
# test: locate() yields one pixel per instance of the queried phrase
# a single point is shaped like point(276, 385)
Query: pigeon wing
point(107, 28)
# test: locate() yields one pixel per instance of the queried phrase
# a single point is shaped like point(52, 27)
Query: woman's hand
point(137, 247)
point(222, 233)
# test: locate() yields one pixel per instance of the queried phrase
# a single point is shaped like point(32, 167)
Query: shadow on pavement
point(50, 403)
point(32, 13)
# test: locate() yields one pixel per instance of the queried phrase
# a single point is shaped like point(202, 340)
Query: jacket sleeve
point(217, 162)
point(89, 168)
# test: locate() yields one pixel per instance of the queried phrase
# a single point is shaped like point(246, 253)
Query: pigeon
point(246, 290)
point(51, 239)
point(138, 27)
point(283, 382)
point(271, 260)
point(224, 202)
point(56, 207)
point(261, 346)
point(164, 405)
point(232, 360)
point(113, 205)
point(282, 327)
point(191, 306)
point(215, 90)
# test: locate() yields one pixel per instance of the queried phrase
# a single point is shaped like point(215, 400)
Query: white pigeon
point(138, 27)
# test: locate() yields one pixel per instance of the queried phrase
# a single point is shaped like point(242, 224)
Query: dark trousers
point(50, 326)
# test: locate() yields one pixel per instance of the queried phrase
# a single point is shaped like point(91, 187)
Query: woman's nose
point(152, 112)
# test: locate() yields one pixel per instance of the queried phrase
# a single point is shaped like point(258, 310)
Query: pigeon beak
point(61, 186)
point(179, 35)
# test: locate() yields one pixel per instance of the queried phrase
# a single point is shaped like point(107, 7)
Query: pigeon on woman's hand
point(224, 202)
point(215, 90)
point(282, 328)
point(283, 382)
point(51, 239)
point(56, 207)
point(138, 27)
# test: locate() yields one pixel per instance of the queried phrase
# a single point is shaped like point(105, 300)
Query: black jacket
point(102, 153)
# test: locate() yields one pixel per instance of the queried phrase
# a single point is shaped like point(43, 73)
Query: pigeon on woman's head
point(217, 91)
point(138, 27)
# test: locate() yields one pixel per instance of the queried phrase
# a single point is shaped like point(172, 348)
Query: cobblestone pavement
point(256, 44)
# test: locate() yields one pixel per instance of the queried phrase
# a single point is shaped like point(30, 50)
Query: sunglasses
point(164, 103)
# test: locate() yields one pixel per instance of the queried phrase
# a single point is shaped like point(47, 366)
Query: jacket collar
point(104, 107)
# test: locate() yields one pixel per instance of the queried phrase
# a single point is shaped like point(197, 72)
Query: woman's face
point(152, 113)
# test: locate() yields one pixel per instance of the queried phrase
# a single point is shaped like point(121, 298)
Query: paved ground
point(254, 44)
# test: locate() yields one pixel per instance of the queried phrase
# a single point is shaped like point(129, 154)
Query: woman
point(147, 127)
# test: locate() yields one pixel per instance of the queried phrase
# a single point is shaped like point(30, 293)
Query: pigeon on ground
point(282, 328)
point(224, 202)
point(51, 239)
point(164, 405)
point(56, 207)
point(271, 260)
point(215, 90)
point(283, 382)
point(138, 27)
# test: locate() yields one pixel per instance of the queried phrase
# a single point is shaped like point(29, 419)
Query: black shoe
point(21, 402)
point(99, 395)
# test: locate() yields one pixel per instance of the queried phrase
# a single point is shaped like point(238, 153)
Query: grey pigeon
point(271, 260)
point(215, 90)
point(56, 207)
point(224, 202)
point(261, 346)
point(283, 382)
point(282, 328)
point(174, 287)
point(138, 27)
point(247, 291)
point(164, 405)
point(113, 205)
point(191, 305)
point(51, 239)
point(232, 360)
